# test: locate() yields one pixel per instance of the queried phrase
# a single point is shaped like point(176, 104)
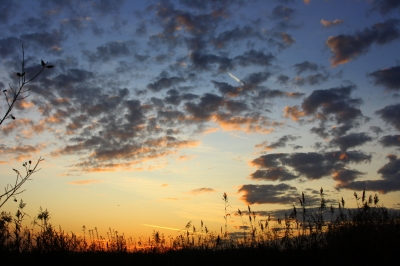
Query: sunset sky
point(154, 109)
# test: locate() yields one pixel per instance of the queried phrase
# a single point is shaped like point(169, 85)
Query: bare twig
point(11, 190)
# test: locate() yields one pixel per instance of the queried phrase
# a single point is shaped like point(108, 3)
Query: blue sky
point(154, 109)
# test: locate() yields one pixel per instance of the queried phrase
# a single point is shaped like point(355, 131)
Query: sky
point(154, 109)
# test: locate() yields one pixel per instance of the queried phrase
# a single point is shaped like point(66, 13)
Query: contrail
point(235, 78)
point(169, 228)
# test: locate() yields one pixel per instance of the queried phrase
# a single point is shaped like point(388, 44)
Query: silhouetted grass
point(367, 234)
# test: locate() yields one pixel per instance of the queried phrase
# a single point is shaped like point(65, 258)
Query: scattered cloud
point(268, 194)
point(280, 143)
point(84, 182)
point(389, 181)
point(327, 23)
point(390, 141)
point(388, 78)
point(386, 6)
point(348, 47)
point(311, 165)
point(198, 191)
point(391, 115)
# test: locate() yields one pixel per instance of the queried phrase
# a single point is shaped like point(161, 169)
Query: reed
point(369, 230)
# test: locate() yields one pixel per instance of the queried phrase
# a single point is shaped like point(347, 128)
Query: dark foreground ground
point(254, 256)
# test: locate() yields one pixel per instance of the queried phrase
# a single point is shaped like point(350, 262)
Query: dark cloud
point(282, 79)
point(141, 29)
point(207, 61)
point(329, 105)
point(280, 143)
point(8, 8)
point(281, 12)
point(312, 165)
point(208, 104)
point(335, 101)
point(273, 194)
point(305, 66)
point(10, 46)
point(344, 176)
point(107, 7)
point(273, 174)
point(386, 6)
point(236, 107)
point(390, 141)
point(350, 141)
point(387, 77)
point(391, 115)
point(256, 78)
point(165, 83)
point(376, 130)
point(314, 79)
point(50, 42)
point(296, 147)
point(348, 47)
point(254, 57)
point(227, 38)
point(213, 4)
point(389, 182)
point(109, 51)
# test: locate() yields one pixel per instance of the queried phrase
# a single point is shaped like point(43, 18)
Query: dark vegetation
point(367, 234)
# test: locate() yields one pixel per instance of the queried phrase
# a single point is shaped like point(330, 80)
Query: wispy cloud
point(198, 191)
point(85, 182)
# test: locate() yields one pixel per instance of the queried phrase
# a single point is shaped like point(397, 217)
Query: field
point(364, 235)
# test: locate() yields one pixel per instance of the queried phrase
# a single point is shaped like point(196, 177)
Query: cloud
point(344, 176)
point(84, 182)
point(389, 181)
point(273, 174)
point(107, 7)
point(386, 6)
point(390, 141)
point(349, 47)
point(272, 194)
point(327, 23)
point(334, 104)
point(287, 38)
point(45, 41)
point(21, 152)
point(14, 125)
point(387, 77)
point(109, 51)
point(305, 66)
point(164, 83)
point(281, 12)
point(312, 165)
point(198, 191)
point(8, 8)
point(376, 130)
point(391, 115)
point(282, 79)
point(280, 143)
point(208, 104)
point(350, 140)
point(9, 46)
point(203, 5)
point(226, 38)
